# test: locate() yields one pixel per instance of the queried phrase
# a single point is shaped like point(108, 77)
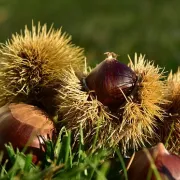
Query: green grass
point(64, 161)
point(61, 161)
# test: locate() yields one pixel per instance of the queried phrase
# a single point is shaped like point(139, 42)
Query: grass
point(61, 161)
point(64, 161)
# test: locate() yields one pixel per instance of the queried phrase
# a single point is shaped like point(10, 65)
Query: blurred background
point(149, 27)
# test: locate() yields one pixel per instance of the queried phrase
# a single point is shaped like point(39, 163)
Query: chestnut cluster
point(42, 75)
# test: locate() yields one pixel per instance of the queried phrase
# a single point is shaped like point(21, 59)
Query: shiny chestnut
point(168, 165)
point(111, 81)
point(25, 125)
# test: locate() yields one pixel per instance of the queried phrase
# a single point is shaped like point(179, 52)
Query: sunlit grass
point(64, 160)
point(61, 161)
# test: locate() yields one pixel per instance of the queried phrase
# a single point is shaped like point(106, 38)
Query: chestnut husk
point(169, 132)
point(168, 165)
point(131, 126)
point(31, 65)
point(112, 81)
point(23, 126)
point(169, 129)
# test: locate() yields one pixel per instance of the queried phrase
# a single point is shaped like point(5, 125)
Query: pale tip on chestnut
point(111, 55)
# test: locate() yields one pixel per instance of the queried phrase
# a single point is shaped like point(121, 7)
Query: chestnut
point(25, 125)
point(168, 165)
point(128, 112)
point(111, 80)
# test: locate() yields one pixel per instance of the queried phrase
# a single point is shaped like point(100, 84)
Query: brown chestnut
point(23, 124)
point(168, 165)
point(111, 81)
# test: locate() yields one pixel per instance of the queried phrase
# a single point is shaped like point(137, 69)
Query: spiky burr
point(131, 125)
point(31, 64)
point(169, 129)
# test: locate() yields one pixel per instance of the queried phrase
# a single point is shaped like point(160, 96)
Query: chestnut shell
point(23, 124)
point(109, 79)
